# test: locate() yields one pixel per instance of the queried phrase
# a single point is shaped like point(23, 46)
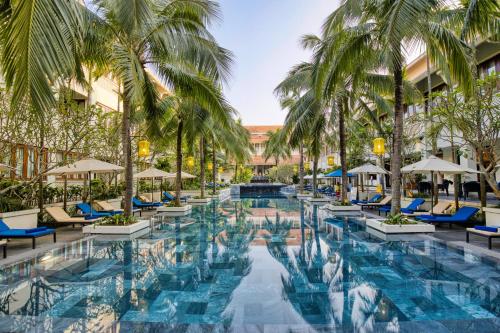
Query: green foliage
point(282, 173)
point(398, 219)
point(104, 191)
point(118, 219)
point(244, 175)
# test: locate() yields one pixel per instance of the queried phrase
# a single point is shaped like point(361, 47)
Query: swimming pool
point(253, 265)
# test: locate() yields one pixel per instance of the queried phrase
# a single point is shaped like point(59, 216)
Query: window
point(30, 172)
point(19, 161)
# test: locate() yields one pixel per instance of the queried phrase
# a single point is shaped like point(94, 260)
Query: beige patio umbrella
point(433, 164)
point(86, 166)
point(184, 175)
point(153, 173)
point(367, 169)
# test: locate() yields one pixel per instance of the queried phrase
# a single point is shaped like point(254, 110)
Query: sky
point(264, 37)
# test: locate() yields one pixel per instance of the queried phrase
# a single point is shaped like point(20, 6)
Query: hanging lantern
point(295, 168)
point(307, 165)
point(331, 161)
point(220, 170)
point(210, 166)
point(190, 162)
point(379, 146)
point(378, 189)
point(143, 148)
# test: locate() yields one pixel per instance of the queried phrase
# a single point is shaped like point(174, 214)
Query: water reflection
point(250, 262)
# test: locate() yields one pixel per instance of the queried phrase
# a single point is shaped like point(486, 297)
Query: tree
point(276, 147)
point(126, 37)
point(389, 27)
point(475, 121)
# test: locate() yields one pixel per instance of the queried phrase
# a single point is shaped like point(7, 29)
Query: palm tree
point(169, 37)
point(381, 32)
point(276, 147)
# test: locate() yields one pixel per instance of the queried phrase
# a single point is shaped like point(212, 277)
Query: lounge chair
point(107, 207)
point(463, 215)
point(412, 207)
point(488, 232)
point(375, 198)
point(170, 197)
point(146, 200)
point(61, 217)
point(439, 209)
point(384, 202)
point(7, 233)
point(139, 204)
point(87, 210)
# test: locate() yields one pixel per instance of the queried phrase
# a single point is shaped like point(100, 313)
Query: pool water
point(253, 265)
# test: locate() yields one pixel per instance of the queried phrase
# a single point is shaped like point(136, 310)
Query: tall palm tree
point(170, 37)
point(382, 32)
point(276, 147)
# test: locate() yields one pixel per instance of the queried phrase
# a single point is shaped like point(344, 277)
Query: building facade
point(258, 139)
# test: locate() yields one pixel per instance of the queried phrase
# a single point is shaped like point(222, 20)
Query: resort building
point(259, 134)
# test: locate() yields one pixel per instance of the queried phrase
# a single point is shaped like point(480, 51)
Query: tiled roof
point(262, 128)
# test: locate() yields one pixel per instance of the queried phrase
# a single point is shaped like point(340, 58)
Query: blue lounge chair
point(139, 204)
point(375, 198)
point(170, 197)
point(88, 211)
point(410, 209)
point(463, 215)
point(7, 233)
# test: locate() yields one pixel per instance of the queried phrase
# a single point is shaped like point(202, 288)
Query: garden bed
point(174, 211)
point(111, 229)
point(344, 210)
point(303, 196)
point(417, 227)
point(318, 200)
point(199, 201)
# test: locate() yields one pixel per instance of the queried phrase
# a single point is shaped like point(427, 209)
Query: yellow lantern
point(378, 189)
point(190, 162)
point(143, 148)
point(210, 166)
point(331, 161)
point(307, 165)
point(220, 170)
point(295, 168)
point(379, 146)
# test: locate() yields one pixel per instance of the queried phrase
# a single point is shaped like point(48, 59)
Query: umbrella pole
point(90, 192)
point(432, 192)
point(152, 189)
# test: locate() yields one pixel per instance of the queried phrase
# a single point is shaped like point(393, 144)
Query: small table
point(488, 234)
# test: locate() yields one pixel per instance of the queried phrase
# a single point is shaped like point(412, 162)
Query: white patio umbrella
point(367, 169)
point(153, 173)
point(433, 164)
point(86, 166)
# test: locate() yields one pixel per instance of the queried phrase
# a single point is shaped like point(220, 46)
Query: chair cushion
point(486, 228)
point(3, 226)
point(41, 230)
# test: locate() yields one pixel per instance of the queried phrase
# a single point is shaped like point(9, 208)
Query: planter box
point(303, 196)
point(174, 211)
point(344, 210)
point(204, 201)
point(492, 216)
point(318, 200)
point(399, 229)
point(21, 219)
point(116, 229)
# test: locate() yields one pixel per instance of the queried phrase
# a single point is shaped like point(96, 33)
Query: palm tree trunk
point(127, 153)
point(178, 176)
point(214, 164)
point(342, 144)
point(40, 166)
point(428, 106)
point(315, 173)
point(236, 172)
point(301, 168)
point(397, 136)
point(202, 167)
